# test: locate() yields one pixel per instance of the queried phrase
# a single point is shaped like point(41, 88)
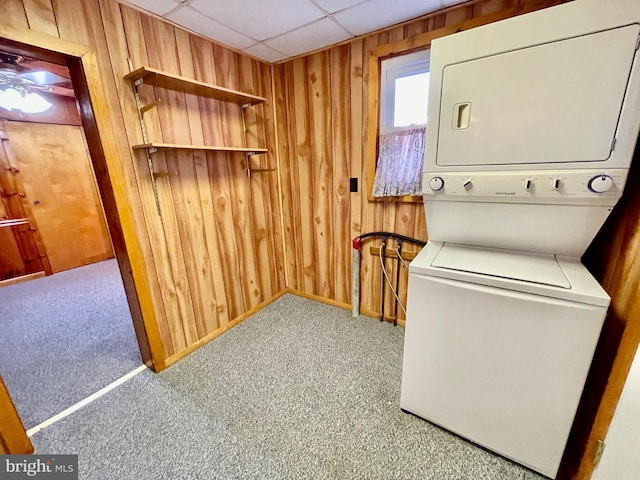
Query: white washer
point(498, 345)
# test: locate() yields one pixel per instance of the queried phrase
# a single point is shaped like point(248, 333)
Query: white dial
point(600, 183)
point(436, 184)
point(528, 184)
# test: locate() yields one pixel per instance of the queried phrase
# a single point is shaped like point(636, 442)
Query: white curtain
point(399, 167)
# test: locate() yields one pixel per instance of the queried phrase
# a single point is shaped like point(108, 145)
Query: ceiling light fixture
point(15, 96)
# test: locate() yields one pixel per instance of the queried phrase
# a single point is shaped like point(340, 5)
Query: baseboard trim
point(343, 305)
point(22, 278)
point(216, 333)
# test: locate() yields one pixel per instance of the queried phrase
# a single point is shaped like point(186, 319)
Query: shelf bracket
point(162, 174)
point(152, 150)
point(145, 108)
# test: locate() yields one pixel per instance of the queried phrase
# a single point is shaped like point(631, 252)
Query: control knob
point(600, 183)
point(436, 184)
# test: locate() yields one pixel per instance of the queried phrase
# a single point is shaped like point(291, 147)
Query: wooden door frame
point(13, 437)
point(103, 149)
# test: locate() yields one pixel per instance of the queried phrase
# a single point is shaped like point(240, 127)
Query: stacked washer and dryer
point(532, 125)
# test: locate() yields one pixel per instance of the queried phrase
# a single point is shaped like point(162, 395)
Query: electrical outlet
point(353, 184)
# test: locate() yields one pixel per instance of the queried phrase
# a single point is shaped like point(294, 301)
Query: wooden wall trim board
point(13, 437)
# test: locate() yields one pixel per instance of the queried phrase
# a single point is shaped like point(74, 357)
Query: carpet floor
point(298, 391)
point(64, 337)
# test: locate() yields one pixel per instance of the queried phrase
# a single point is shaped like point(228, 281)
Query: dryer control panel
point(577, 187)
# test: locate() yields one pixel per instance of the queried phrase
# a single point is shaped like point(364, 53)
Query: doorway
point(95, 118)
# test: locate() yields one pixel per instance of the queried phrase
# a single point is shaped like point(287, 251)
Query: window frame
point(416, 65)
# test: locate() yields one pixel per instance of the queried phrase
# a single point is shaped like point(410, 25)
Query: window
point(404, 89)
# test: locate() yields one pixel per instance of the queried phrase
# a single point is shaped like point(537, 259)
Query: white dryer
point(532, 124)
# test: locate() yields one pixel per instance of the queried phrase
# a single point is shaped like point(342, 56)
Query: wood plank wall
point(216, 252)
point(321, 103)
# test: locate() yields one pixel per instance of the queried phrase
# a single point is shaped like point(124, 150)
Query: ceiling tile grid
point(273, 30)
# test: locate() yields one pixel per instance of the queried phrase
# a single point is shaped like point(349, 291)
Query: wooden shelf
point(157, 78)
point(171, 146)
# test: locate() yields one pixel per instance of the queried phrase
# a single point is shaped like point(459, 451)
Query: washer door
point(504, 369)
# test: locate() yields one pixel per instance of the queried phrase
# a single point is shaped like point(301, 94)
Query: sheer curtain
point(399, 167)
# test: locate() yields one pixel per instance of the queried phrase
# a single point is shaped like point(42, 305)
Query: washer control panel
point(592, 187)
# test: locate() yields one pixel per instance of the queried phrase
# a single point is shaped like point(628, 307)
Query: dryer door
point(557, 102)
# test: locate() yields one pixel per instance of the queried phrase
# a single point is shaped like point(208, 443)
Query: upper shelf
point(158, 78)
point(173, 146)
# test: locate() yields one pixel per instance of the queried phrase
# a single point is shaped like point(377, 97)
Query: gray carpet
point(298, 391)
point(64, 337)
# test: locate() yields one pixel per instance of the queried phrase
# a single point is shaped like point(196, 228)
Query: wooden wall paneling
point(272, 191)
point(259, 199)
point(247, 278)
point(174, 125)
point(340, 100)
point(188, 207)
point(126, 39)
point(417, 27)
point(41, 17)
point(322, 173)
point(356, 69)
point(290, 176)
point(492, 6)
point(220, 181)
point(13, 13)
point(304, 161)
point(284, 155)
point(213, 181)
point(458, 15)
point(68, 215)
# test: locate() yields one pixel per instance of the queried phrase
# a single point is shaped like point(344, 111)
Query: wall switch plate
point(353, 184)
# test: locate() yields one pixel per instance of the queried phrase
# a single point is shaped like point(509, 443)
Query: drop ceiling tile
point(159, 7)
point(260, 19)
point(333, 6)
point(265, 53)
point(375, 14)
point(315, 35)
point(448, 3)
point(194, 20)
